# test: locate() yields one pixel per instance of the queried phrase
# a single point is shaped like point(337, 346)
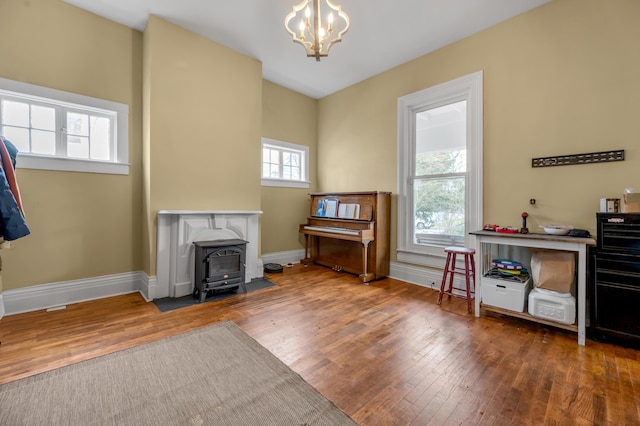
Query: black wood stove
point(219, 266)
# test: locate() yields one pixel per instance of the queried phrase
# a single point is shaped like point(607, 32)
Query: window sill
point(286, 183)
point(25, 161)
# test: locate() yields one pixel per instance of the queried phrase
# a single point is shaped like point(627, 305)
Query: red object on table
point(507, 230)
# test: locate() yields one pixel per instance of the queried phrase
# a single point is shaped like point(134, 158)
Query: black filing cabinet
point(615, 279)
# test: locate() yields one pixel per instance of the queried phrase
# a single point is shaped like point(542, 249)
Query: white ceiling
point(383, 33)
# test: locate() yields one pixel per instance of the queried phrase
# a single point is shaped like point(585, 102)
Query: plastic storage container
point(551, 305)
point(505, 294)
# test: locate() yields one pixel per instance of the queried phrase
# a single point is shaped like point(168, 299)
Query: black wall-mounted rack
point(592, 157)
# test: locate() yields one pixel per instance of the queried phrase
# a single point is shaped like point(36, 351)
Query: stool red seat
point(450, 269)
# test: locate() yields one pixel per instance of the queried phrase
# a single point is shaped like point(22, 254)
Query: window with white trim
point(440, 169)
point(56, 130)
point(284, 164)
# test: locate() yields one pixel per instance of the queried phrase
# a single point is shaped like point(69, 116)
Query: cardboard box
point(630, 203)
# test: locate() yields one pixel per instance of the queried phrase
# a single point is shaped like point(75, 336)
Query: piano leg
point(366, 276)
point(306, 259)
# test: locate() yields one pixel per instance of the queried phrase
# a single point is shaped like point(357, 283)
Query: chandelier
point(314, 34)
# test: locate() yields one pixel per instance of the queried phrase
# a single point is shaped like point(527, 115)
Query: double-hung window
point(440, 169)
point(284, 164)
point(64, 131)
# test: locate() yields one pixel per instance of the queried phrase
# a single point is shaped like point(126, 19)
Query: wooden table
point(485, 240)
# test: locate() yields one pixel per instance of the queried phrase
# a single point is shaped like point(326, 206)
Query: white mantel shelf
point(210, 212)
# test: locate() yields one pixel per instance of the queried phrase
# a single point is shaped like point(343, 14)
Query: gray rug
point(216, 375)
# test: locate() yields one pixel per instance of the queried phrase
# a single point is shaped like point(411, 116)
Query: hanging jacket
point(12, 223)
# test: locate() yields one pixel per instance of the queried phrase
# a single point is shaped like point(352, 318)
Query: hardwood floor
point(385, 353)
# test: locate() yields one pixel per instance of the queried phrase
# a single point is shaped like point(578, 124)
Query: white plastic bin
point(505, 294)
point(551, 305)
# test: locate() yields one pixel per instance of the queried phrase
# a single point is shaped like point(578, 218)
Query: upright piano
point(349, 232)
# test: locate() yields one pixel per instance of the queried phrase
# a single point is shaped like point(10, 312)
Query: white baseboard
point(423, 276)
point(148, 286)
point(57, 294)
point(419, 275)
point(46, 296)
point(283, 257)
point(52, 295)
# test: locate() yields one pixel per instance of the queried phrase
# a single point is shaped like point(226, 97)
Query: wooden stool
point(450, 270)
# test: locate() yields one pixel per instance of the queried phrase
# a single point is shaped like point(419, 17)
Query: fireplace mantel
point(229, 212)
point(178, 229)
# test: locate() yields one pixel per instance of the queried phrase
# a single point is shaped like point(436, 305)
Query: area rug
point(216, 375)
point(166, 304)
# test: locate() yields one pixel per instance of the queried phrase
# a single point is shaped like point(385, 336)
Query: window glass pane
point(281, 163)
point(15, 113)
point(100, 134)
point(43, 142)
point(43, 118)
point(19, 137)
point(77, 147)
point(291, 165)
point(77, 124)
point(294, 159)
point(441, 162)
point(440, 142)
point(439, 207)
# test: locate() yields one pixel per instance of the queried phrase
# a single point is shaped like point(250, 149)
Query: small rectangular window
point(284, 164)
point(58, 130)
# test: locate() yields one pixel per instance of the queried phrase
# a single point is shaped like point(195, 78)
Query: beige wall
point(204, 126)
point(200, 148)
point(561, 79)
point(82, 224)
point(290, 117)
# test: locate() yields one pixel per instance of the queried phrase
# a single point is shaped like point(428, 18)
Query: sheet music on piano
point(331, 208)
point(349, 211)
